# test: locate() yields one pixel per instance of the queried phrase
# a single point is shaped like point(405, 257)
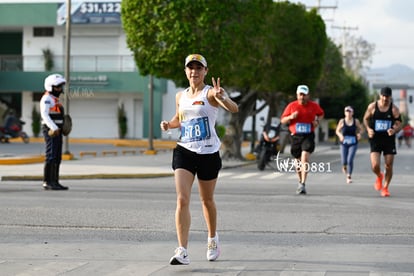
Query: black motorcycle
point(268, 146)
point(14, 131)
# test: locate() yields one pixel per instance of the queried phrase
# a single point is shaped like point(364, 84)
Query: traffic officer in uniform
point(52, 113)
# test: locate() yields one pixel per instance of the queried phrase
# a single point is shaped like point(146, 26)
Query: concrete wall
point(97, 48)
point(95, 116)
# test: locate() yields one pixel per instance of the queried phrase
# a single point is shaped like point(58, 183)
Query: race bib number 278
point(195, 130)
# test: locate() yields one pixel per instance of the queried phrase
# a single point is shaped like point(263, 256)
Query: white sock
point(213, 238)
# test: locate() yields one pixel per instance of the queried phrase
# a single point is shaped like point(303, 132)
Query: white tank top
point(198, 118)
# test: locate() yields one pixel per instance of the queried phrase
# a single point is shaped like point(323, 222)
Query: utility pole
point(345, 30)
point(67, 68)
point(151, 111)
point(151, 150)
point(319, 7)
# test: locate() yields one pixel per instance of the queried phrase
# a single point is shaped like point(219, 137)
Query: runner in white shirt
point(197, 153)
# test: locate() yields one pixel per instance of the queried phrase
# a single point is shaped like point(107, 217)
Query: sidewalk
point(136, 165)
point(101, 165)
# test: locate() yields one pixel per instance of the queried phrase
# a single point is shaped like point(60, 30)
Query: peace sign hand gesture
point(219, 92)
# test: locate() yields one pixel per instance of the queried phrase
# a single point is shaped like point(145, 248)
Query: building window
point(37, 96)
point(43, 31)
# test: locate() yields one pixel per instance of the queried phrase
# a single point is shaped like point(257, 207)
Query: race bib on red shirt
point(303, 128)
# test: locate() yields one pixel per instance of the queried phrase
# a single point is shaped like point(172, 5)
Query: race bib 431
point(303, 128)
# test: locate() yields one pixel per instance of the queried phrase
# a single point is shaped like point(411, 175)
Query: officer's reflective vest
point(56, 112)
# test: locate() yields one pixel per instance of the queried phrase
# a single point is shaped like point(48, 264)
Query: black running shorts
point(206, 166)
point(386, 145)
point(302, 142)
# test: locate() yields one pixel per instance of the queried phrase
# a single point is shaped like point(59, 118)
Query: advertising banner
point(91, 12)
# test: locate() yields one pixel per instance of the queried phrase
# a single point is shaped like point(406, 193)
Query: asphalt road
point(126, 226)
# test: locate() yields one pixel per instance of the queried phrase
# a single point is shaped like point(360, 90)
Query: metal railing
point(11, 63)
point(81, 63)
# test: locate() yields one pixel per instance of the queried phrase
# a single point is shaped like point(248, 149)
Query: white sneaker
point(213, 248)
point(180, 257)
point(301, 190)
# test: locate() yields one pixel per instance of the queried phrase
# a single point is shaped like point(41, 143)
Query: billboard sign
point(91, 12)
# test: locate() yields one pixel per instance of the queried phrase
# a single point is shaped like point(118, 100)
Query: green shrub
point(220, 130)
point(35, 122)
point(48, 59)
point(122, 122)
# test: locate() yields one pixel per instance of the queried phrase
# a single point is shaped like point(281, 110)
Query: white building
point(103, 75)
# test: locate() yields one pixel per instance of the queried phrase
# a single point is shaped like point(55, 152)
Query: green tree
point(289, 48)
point(259, 48)
point(162, 33)
point(228, 33)
point(334, 81)
point(356, 95)
point(296, 43)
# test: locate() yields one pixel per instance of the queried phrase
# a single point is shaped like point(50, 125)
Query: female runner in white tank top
point(197, 153)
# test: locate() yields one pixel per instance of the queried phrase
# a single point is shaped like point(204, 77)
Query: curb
point(21, 160)
point(160, 145)
point(86, 176)
point(106, 176)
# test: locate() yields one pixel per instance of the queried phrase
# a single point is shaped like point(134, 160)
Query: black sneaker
point(53, 186)
point(61, 187)
point(301, 190)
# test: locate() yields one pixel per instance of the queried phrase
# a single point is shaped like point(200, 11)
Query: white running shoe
point(180, 257)
point(213, 248)
point(301, 190)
